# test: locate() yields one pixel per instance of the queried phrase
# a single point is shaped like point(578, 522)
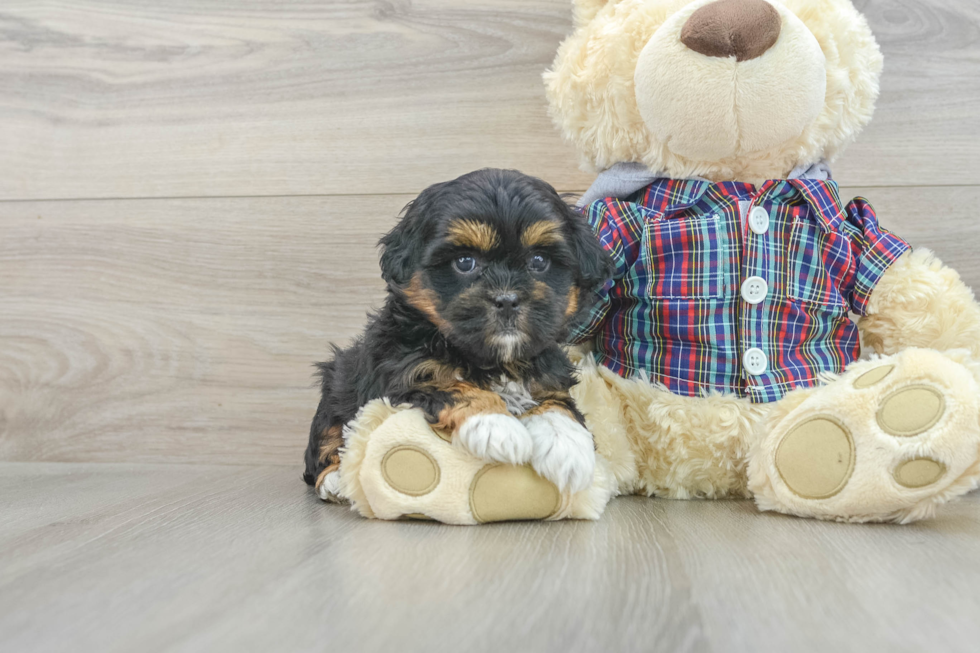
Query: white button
point(759, 220)
point(754, 290)
point(755, 361)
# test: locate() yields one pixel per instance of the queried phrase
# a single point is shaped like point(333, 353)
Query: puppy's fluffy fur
point(485, 275)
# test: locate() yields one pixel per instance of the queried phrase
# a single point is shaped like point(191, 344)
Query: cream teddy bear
point(724, 362)
point(727, 364)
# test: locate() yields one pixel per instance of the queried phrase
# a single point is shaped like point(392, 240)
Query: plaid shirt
point(674, 310)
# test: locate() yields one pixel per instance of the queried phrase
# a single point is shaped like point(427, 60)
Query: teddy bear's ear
point(585, 10)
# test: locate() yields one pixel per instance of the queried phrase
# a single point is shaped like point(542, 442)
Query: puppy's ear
point(595, 266)
point(402, 247)
point(397, 251)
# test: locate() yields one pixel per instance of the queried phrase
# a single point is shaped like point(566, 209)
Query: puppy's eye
point(538, 263)
point(465, 264)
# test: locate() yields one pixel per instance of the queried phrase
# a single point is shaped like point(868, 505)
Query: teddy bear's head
point(724, 89)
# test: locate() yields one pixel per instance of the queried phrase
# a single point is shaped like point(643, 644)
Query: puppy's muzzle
point(506, 305)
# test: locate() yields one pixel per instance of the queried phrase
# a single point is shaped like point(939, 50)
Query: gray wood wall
point(191, 190)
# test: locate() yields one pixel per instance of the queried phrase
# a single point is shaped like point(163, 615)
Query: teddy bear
point(723, 359)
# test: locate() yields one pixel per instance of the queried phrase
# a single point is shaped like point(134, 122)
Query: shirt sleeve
point(873, 249)
point(605, 217)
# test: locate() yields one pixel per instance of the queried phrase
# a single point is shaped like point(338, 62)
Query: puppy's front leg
point(479, 422)
point(323, 452)
point(563, 449)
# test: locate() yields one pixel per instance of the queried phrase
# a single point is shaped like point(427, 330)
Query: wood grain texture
point(210, 98)
point(142, 331)
point(177, 330)
point(184, 330)
point(200, 558)
point(187, 98)
point(925, 130)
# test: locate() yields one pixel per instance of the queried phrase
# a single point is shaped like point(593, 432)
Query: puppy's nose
point(743, 29)
point(506, 303)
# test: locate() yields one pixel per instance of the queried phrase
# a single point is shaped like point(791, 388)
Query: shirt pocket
point(815, 266)
point(686, 257)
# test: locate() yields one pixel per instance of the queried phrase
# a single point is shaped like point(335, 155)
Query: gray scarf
point(624, 179)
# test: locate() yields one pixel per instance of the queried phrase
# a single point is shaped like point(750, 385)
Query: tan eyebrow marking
point(470, 233)
point(544, 232)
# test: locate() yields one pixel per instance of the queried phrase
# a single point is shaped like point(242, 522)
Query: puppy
point(485, 275)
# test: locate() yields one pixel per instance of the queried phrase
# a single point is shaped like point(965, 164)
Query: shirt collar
point(822, 195)
point(813, 182)
point(671, 196)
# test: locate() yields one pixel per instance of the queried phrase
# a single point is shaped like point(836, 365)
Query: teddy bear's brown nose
point(743, 29)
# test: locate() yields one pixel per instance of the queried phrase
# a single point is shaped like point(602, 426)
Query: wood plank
point(177, 330)
point(183, 330)
point(120, 99)
point(104, 98)
point(202, 558)
point(924, 131)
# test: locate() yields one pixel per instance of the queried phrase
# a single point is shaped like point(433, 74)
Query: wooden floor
point(118, 557)
point(190, 196)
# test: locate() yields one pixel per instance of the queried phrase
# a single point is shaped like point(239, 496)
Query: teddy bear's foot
point(889, 440)
point(395, 466)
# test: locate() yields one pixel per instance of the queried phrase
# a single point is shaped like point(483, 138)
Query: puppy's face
point(496, 261)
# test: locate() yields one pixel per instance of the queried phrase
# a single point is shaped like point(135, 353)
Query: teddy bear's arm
point(919, 302)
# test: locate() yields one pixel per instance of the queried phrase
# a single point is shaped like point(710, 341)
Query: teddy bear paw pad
point(509, 492)
point(886, 442)
point(816, 458)
point(910, 411)
point(410, 470)
point(873, 377)
point(919, 472)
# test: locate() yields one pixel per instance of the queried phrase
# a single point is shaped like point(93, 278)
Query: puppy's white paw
point(329, 487)
point(496, 436)
point(564, 452)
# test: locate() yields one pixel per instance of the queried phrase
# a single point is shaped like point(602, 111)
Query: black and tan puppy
point(485, 274)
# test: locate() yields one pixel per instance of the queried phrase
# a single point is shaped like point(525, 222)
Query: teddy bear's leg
point(660, 444)
point(889, 440)
point(605, 418)
point(394, 465)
